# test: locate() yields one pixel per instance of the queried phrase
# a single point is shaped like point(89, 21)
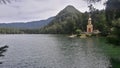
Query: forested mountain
point(28, 25)
point(66, 21)
point(70, 19)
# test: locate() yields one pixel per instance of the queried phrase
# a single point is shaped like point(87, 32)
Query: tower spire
point(89, 26)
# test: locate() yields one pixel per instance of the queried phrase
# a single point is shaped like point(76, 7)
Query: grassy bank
point(113, 53)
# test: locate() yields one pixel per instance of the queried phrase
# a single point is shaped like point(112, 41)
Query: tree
point(91, 8)
point(78, 31)
point(112, 10)
point(7, 1)
point(92, 1)
point(113, 19)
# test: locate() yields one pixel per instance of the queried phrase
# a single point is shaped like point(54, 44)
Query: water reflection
point(2, 50)
point(81, 53)
point(53, 51)
point(70, 51)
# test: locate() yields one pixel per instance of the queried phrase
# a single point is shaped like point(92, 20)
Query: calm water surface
point(52, 51)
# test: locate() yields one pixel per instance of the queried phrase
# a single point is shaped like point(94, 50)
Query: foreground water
point(52, 51)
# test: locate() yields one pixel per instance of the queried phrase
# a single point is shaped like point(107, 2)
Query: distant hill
point(28, 25)
point(66, 21)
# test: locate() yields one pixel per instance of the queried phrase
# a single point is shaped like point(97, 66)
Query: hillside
point(65, 22)
point(28, 25)
point(70, 19)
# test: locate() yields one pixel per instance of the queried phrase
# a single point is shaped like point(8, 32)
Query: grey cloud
point(27, 10)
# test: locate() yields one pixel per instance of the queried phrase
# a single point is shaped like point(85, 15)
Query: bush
point(113, 40)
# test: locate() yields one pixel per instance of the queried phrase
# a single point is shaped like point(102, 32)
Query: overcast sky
point(30, 10)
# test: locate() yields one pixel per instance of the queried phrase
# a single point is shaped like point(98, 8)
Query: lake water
point(52, 51)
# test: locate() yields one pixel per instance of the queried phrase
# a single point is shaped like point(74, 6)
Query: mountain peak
point(69, 9)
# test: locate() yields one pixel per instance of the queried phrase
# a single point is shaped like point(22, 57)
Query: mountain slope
point(28, 25)
point(65, 22)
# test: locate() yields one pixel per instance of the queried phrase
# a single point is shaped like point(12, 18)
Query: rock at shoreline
point(83, 36)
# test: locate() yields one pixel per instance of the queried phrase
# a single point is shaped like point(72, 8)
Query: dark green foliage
point(114, 36)
point(115, 63)
point(78, 31)
point(9, 31)
point(113, 19)
point(32, 31)
point(99, 22)
point(112, 10)
point(113, 39)
point(92, 1)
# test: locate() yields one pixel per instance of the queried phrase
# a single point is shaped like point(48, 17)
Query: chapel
point(89, 25)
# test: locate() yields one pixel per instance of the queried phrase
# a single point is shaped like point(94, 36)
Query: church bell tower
point(89, 26)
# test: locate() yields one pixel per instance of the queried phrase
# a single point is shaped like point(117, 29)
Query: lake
point(52, 51)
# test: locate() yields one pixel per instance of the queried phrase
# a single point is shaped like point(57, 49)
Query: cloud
point(28, 10)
